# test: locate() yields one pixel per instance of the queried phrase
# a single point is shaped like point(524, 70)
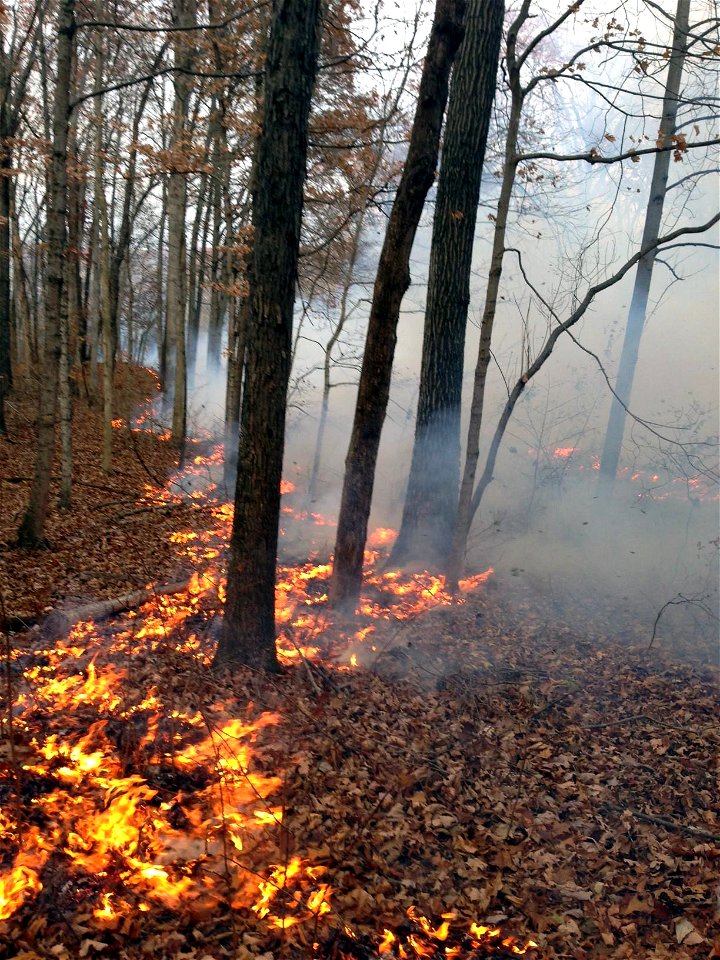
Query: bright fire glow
point(148, 804)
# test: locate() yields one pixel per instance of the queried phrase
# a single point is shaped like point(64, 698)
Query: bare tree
point(391, 283)
point(31, 532)
point(643, 277)
point(249, 628)
point(431, 498)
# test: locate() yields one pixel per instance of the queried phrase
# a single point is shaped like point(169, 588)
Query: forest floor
point(509, 761)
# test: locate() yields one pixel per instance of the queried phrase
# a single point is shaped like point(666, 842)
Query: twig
point(678, 600)
point(635, 716)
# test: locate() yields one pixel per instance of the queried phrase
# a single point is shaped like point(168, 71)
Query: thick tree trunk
point(464, 514)
point(653, 219)
point(32, 528)
point(392, 280)
point(431, 499)
point(249, 628)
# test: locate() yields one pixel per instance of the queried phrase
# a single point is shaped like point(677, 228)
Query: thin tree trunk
point(249, 629)
point(392, 280)
point(184, 15)
point(432, 493)
point(643, 278)
point(5, 290)
point(160, 311)
point(328, 358)
point(237, 344)
point(102, 264)
point(538, 363)
point(217, 297)
point(5, 237)
point(26, 336)
point(32, 528)
point(65, 407)
point(196, 271)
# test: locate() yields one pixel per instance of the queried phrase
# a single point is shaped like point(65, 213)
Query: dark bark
point(31, 532)
point(391, 282)
point(249, 629)
point(431, 500)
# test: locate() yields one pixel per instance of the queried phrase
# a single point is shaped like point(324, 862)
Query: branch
point(552, 339)
point(699, 601)
point(124, 84)
point(137, 28)
point(592, 156)
point(573, 8)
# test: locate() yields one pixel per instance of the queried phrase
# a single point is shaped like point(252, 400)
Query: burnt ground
point(514, 760)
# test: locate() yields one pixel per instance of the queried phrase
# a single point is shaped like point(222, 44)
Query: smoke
point(615, 561)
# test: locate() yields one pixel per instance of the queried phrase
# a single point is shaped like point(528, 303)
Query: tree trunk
point(431, 498)
point(328, 358)
point(5, 291)
point(237, 345)
point(5, 236)
point(32, 528)
point(463, 518)
point(184, 15)
point(108, 336)
point(643, 277)
point(391, 282)
point(249, 628)
point(218, 259)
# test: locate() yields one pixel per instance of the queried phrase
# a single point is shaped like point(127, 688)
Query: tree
point(431, 498)
point(14, 77)
point(471, 493)
point(391, 282)
point(31, 532)
point(249, 628)
point(643, 277)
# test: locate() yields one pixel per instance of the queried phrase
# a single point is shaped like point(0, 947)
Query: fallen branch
point(59, 622)
point(672, 825)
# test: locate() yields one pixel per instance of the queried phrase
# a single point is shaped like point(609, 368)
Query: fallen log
point(60, 621)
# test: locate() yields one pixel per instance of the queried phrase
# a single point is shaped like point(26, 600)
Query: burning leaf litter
point(150, 810)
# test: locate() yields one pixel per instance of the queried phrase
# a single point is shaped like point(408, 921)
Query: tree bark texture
point(643, 278)
point(185, 14)
point(464, 513)
point(249, 628)
point(391, 283)
point(431, 499)
point(31, 532)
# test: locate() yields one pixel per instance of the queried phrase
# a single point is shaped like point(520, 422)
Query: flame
point(161, 804)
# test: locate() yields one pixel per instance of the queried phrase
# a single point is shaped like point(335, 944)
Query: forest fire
point(646, 484)
point(120, 800)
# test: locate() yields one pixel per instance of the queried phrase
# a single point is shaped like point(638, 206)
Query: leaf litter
point(493, 763)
